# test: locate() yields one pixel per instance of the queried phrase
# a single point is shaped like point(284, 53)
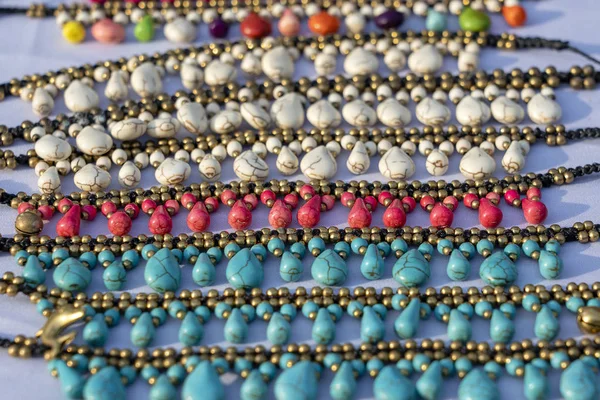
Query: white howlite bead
point(345, 48)
point(437, 163)
point(310, 52)
point(543, 110)
point(383, 146)
point(446, 147)
point(87, 81)
point(279, 91)
point(156, 158)
point(41, 167)
point(379, 9)
point(101, 74)
point(308, 144)
point(418, 93)
point(227, 58)
point(137, 14)
point(241, 14)
point(273, 144)
point(472, 47)
point(467, 61)
point(299, 11)
point(116, 89)
point(395, 59)
point(440, 96)
point(348, 142)
point(209, 15)
point(369, 98)
point(197, 155)
point(118, 156)
point(181, 101)
point(52, 89)
point(171, 65)
point(403, 97)
point(491, 92)
point(59, 134)
point(416, 44)
point(97, 15)
point(488, 147)
point(493, 6)
point(371, 147)
point(314, 94)
point(158, 17)
point(104, 163)
point(384, 91)
point(212, 109)
point(527, 94)
point(454, 47)
point(63, 167)
point(191, 75)
point(355, 22)
point(325, 64)
point(277, 10)
point(296, 147)
point(182, 155)
point(409, 147)
point(129, 175)
point(265, 14)
point(404, 47)
point(245, 95)
point(455, 7)
point(425, 147)
point(203, 59)
point(260, 149)
point(334, 148)
point(170, 15)
point(37, 132)
point(238, 51)
point(335, 99)
point(347, 8)
point(547, 91)
point(210, 168)
point(49, 181)
point(502, 142)
point(121, 18)
point(477, 5)
point(62, 18)
point(420, 8)
point(146, 116)
point(77, 163)
point(510, 3)
point(367, 11)
point(62, 81)
point(42, 103)
point(350, 93)
point(234, 148)
point(441, 8)
point(219, 152)
point(478, 94)
point(525, 146)
point(463, 145)
point(382, 46)
point(358, 161)
point(513, 94)
point(404, 10)
point(312, 9)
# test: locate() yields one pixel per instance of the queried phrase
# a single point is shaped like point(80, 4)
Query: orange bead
point(323, 23)
point(514, 15)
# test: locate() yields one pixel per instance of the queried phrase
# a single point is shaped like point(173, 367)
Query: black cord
point(583, 54)
point(12, 10)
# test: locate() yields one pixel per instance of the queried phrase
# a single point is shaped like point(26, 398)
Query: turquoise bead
point(578, 382)
point(163, 389)
point(114, 276)
point(244, 271)
point(204, 272)
point(290, 267)
point(316, 243)
point(412, 269)
point(297, 383)
point(95, 332)
point(477, 385)
point(407, 323)
point(372, 265)
point(502, 328)
point(236, 327)
point(372, 328)
point(254, 387)
point(33, 273)
point(329, 269)
point(142, 332)
point(459, 327)
point(535, 383)
point(550, 265)
point(390, 384)
point(343, 384)
point(71, 381)
point(298, 249)
point(429, 385)
point(72, 276)
point(498, 270)
point(104, 385)
point(162, 272)
point(323, 330)
point(546, 324)
point(436, 21)
point(459, 267)
point(191, 330)
point(203, 384)
point(176, 373)
point(278, 330)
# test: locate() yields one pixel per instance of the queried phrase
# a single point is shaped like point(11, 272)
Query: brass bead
point(29, 223)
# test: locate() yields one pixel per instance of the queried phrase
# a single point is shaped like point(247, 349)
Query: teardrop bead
point(68, 225)
point(534, 211)
point(163, 389)
point(142, 332)
point(297, 383)
point(343, 384)
point(278, 329)
point(191, 330)
point(290, 267)
point(372, 328)
point(162, 272)
point(407, 323)
point(459, 327)
point(160, 222)
point(144, 29)
point(114, 276)
point(546, 324)
point(95, 332)
point(33, 273)
point(203, 384)
point(502, 328)
point(394, 216)
point(550, 265)
point(429, 385)
point(198, 220)
point(477, 385)
point(372, 265)
point(309, 214)
point(329, 269)
point(244, 271)
point(459, 267)
point(236, 327)
point(239, 216)
point(104, 385)
point(578, 382)
point(254, 387)
point(71, 275)
point(358, 161)
point(280, 215)
point(390, 384)
point(289, 24)
point(490, 216)
point(323, 330)
point(535, 383)
point(412, 269)
point(498, 270)
point(204, 272)
point(71, 381)
point(359, 216)
point(513, 160)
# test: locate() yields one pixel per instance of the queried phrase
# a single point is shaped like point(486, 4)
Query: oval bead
point(162, 272)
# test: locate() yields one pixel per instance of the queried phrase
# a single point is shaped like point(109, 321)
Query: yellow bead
point(74, 32)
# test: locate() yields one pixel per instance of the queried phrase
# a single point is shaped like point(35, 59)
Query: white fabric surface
point(30, 46)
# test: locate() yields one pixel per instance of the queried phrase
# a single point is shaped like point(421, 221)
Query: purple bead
point(218, 28)
point(389, 19)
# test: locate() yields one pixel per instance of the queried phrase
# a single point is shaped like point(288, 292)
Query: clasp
point(51, 333)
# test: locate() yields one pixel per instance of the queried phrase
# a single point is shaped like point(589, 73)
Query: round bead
point(73, 32)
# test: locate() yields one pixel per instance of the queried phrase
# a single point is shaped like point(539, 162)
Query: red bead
point(267, 196)
point(323, 23)
point(534, 193)
point(490, 216)
point(493, 197)
point(359, 216)
point(409, 204)
point(251, 201)
point(307, 190)
point(514, 15)
point(371, 203)
point(239, 216)
point(160, 222)
point(451, 202)
point(46, 211)
point(329, 201)
point(64, 204)
point(280, 215)
point(441, 216)
point(24, 207)
point(511, 195)
point(289, 24)
point(535, 212)
point(255, 27)
point(119, 223)
point(147, 205)
point(188, 200)
point(172, 205)
point(88, 212)
point(133, 210)
point(384, 197)
point(212, 204)
point(198, 219)
point(346, 198)
point(68, 225)
point(108, 207)
point(309, 214)
point(394, 216)
point(426, 201)
point(291, 200)
point(469, 199)
point(228, 197)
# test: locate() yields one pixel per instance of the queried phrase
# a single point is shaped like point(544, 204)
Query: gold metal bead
point(588, 319)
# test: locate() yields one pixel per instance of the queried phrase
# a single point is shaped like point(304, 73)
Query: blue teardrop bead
point(290, 267)
point(191, 330)
point(343, 384)
point(498, 270)
point(71, 275)
point(459, 267)
point(204, 272)
point(502, 328)
point(578, 382)
point(436, 21)
point(412, 269)
point(254, 387)
point(142, 332)
point(114, 276)
point(106, 384)
point(33, 273)
point(203, 384)
point(163, 389)
point(244, 271)
point(297, 383)
point(546, 324)
point(372, 328)
point(323, 330)
point(162, 272)
point(278, 329)
point(236, 328)
point(329, 269)
point(535, 383)
point(459, 327)
point(407, 323)
point(372, 265)
point(71, 381)
point(550, 265)
point(477, 385)
point(429, 385)
point(95, 332)
point(390, 384)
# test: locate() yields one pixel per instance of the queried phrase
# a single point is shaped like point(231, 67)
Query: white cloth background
point(32, 46)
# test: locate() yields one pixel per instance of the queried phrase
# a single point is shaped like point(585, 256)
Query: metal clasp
point(51, 333)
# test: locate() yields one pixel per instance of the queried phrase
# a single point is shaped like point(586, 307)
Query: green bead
point(144, 30)
point(473, 20)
